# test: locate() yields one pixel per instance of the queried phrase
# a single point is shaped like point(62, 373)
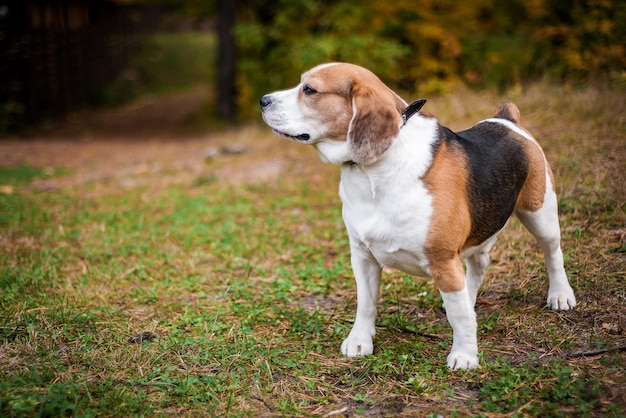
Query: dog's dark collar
point(412, 109)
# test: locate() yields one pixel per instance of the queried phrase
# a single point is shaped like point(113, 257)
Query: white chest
point(389, 215)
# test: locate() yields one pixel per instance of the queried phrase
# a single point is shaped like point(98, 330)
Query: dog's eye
point(308, 90)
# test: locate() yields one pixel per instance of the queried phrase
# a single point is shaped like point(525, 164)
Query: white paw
point(459, 360)
point(357, 346)
point(561, 301)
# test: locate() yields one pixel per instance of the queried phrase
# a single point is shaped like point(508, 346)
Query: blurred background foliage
point(429, 46)
point(167, 62)
point(417, 47)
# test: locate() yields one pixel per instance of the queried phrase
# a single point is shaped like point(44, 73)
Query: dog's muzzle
point(265, 101)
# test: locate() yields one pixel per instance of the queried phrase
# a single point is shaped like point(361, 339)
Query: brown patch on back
point(446, 179)
point(534, 189)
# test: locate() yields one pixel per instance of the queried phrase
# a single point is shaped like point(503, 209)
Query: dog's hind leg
point(476, 265)
point(544, 225)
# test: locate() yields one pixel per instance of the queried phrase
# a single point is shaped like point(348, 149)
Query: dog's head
point(342, 109)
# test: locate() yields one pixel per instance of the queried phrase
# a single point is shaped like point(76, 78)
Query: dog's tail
point(508, 110)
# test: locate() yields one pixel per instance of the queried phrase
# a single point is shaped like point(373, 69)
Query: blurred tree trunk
point(226, 59)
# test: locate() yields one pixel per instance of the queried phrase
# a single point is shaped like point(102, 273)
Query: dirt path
point(149, 142)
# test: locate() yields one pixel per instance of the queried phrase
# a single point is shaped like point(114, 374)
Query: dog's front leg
point(459, 306)
point(462, 319)
point(367, 273)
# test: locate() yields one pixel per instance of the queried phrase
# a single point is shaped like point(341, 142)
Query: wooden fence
point(46, 73)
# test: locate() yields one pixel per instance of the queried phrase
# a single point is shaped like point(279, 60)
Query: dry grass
point(238, 265)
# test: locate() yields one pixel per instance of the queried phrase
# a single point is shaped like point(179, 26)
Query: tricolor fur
point(420, 198)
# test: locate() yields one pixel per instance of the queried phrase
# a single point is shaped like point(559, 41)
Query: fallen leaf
point(142, 336)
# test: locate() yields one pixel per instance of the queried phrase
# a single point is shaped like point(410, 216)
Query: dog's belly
point(407, 261)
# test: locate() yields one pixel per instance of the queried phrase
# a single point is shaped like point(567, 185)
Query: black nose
point(265, 101)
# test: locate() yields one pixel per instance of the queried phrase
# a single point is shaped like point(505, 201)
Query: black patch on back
point(498, 169)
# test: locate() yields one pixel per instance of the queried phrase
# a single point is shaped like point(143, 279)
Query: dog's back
point(497, 169)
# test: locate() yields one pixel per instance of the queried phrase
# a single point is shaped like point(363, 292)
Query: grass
point(212, 298)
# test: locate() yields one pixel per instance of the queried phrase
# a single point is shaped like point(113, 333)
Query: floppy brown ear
point(375, 122)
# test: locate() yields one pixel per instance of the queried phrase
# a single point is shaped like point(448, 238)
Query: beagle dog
point(420, 198)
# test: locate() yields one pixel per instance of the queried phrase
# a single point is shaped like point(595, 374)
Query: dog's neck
point(334, 152)
point(409, 156)
point(413, 129)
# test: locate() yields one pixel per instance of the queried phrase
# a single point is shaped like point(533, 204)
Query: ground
point(144, 142)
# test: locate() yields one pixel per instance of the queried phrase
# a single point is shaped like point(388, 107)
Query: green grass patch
point(24, 174)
